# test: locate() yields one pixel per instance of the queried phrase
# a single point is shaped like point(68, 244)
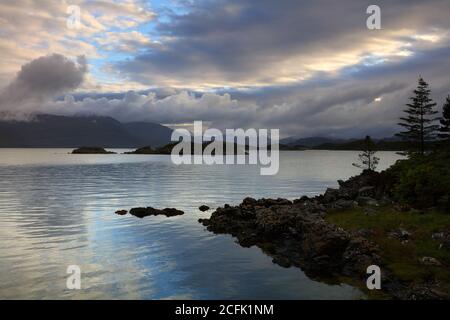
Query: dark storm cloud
point(40, 80)
point(242, 40)
point(245, 48)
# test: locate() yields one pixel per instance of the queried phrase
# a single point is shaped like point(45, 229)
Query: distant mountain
point(148, 133)
point(70, 132)
point(358, 145)
point(310, 142)
point(323, 143)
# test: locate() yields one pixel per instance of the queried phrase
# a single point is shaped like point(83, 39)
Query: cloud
point(41, 80)
point(245, 43)
point(31, 29)
point(306, 67)
point(343, 108)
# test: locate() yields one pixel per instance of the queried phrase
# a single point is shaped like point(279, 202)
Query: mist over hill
point(52, 131)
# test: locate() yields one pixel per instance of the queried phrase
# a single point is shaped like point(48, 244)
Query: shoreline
point(299, 233)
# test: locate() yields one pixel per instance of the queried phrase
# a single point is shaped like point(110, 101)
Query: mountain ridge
point(55, 131)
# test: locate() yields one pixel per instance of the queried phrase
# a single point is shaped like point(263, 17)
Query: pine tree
point(418, 123)
point(444, 130)
point(367, 159)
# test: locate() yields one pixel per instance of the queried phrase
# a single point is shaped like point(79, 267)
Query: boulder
point(121, 212)
point(331, 195)
point(203, 208)
point(367, 191)
point(430, 261)
point(400, 234)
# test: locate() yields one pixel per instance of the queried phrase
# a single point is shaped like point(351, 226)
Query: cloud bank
point(305, 67)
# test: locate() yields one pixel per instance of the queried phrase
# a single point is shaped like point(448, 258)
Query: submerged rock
point(149, 211)
point(121, 212)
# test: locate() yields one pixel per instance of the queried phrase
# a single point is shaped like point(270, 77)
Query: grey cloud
point(40, 80)
point(240, 40)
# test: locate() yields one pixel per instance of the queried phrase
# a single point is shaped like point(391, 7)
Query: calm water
point(57, 209)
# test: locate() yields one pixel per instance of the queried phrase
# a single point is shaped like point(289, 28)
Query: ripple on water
point(58, 209)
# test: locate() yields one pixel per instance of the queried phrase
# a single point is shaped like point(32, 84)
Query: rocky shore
point(295, 233)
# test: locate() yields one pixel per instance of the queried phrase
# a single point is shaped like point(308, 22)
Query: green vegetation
point(423, 181)
point(444, 129)
point(403, 257)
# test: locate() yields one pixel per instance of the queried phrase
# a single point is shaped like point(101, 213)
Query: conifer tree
point(419, 122)
point(444, 130)
point(367, 159)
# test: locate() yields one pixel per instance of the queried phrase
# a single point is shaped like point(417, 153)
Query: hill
point(51, 131)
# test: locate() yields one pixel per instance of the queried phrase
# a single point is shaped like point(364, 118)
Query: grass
point(403, 259)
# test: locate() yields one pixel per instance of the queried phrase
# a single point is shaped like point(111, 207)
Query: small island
point(143, 150)
point(91, 150)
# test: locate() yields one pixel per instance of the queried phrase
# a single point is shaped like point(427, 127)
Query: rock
point(343, 204)
point(149, 211)
point(331, 195)
point(367, 191)
point(302, 199)
point(359, 254)
point(293, 234)
point(171, 212)
point(430, 261)
point(367, 201)
point(400, 234)
point(121, 212)
point(313, 206)
point(203, 208)
point(444, 239)
point(426, 291)
point(282, 261)
point(91, 150)
point(249, 201)
point(272, 202)
point(438, 236)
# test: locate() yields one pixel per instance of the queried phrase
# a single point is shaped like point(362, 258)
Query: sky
point(308, 68)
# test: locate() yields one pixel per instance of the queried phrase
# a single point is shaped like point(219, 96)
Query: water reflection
point(58, 209)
